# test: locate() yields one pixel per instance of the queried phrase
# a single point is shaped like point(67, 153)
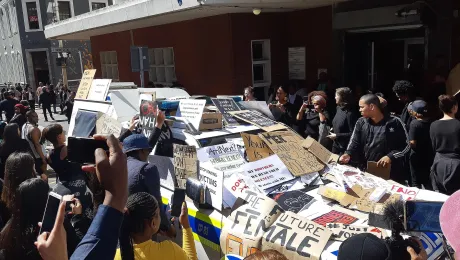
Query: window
point(32, 16)
point(261, 67)
point(97, 5)
point(64, 9)
point(13, 18)
point(109, 65)
point(162, 70)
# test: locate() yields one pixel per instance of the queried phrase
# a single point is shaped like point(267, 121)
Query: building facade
point(219, 47)
point(26, 55)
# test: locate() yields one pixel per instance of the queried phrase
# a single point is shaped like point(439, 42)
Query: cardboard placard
point(210, 120)
point(192, 110)
point(294, 200)
point(380, 172)
point(343, 198)
point(224, 157)
point(256, 148)
point(342, 231)
point(258, 120)
point(226, 105)
point(319, 151)
point(99, 89)
point(147, 116)
point(287, 146)
point(213, 180)
point(85, 84)
point(261, 224)
point(268, 172)
point(106, 125)
point(185, 163)
point(407, 193)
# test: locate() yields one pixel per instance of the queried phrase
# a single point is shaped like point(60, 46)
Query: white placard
point(296, 58)
point(213, 180)
point(268, 172)
point(224, 157)
point(99, 89)
point(192, 109)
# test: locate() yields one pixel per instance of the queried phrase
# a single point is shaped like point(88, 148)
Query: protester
point(367, 246)
point(269, 254)
point(378, 138)
point(142, 176)
point(39, 93)
point(315, 118)
point(287, 110)
point(141, 222)
point(30, 96)
point(12, 143)
point(19, 167)
point(100, 242)
point(344, 120)
point(404, 91)
point(19, 117)
point(18, 236)
point(68, 106)
point(52, 92)
point(249, 94)
point(32, 134)
point(421, 155)
point(7, 106)
point(46, 99)
point(445, 139)
point(63, 95)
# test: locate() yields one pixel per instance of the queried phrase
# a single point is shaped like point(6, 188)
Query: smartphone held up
point(81, 150)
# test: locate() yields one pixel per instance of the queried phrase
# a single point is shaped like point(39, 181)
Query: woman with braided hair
point(141, 222)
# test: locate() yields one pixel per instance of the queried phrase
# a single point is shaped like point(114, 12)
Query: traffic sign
point(55, 50)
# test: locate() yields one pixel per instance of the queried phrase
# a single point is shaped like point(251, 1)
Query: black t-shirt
point(445, 136)
point(420, 132)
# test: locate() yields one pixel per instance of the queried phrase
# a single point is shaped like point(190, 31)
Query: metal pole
point(81, 63)
point(141, 67)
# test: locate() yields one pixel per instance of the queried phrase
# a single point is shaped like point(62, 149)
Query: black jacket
point(309, 125)
point(7, 106)
point(46, 99)
point(343, 124)
point(395, 145)
point(288, 117)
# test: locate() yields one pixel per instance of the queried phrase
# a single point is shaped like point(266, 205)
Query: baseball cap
point(135, 142)
point(449, 217)
point(418, 106)
point(363, 247)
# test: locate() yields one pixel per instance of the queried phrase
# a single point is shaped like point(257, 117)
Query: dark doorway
point(40, 66)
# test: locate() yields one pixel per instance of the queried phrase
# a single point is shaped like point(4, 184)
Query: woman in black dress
point(312, 114)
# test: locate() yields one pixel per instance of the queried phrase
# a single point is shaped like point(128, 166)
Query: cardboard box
point(211, 120)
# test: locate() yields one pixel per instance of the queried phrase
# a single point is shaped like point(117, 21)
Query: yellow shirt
point(150, 250)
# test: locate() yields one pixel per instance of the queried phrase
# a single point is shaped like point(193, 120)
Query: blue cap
point(418, 106)
point(135, 142)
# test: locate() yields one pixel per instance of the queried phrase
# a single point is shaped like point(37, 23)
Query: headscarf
point(22, 108)
point(320, 100)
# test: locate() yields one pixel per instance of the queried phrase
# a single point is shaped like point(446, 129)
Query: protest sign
point(224, 157)
point(287, 146)
point(256, 148)
point(319, 151)
point(259, 106)
point(296, 237)
point(192, 110)
point(106, 125)
point(343, 198)
point(342, 231)
point(382, 172)
point(85, 84)
point(258, 120)
point(213, 180)
point(226, 105)
point(147, 116)
point(337, 214)
point(185, 163)
point(99, 89)
point(407, 193)
point(293, 201)
point(268, 172)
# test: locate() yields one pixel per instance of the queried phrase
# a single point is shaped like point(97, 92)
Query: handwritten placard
point(287, 145)
point(147, 116)
point(343, 231)
point(213, 181)
point(319, 151)
point(226, 105)
point(192, 110)
point(85, 84)
point(258, 120)
point(268, 172)
point(224, 157)
point(99, 89)
point(107, 125)
point(256, 148)
point(407, 193)
point(185, 163)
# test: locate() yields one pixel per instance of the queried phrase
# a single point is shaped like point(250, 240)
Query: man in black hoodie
point(378, 137)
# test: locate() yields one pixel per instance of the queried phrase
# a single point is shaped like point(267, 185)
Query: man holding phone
point(144, 177)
